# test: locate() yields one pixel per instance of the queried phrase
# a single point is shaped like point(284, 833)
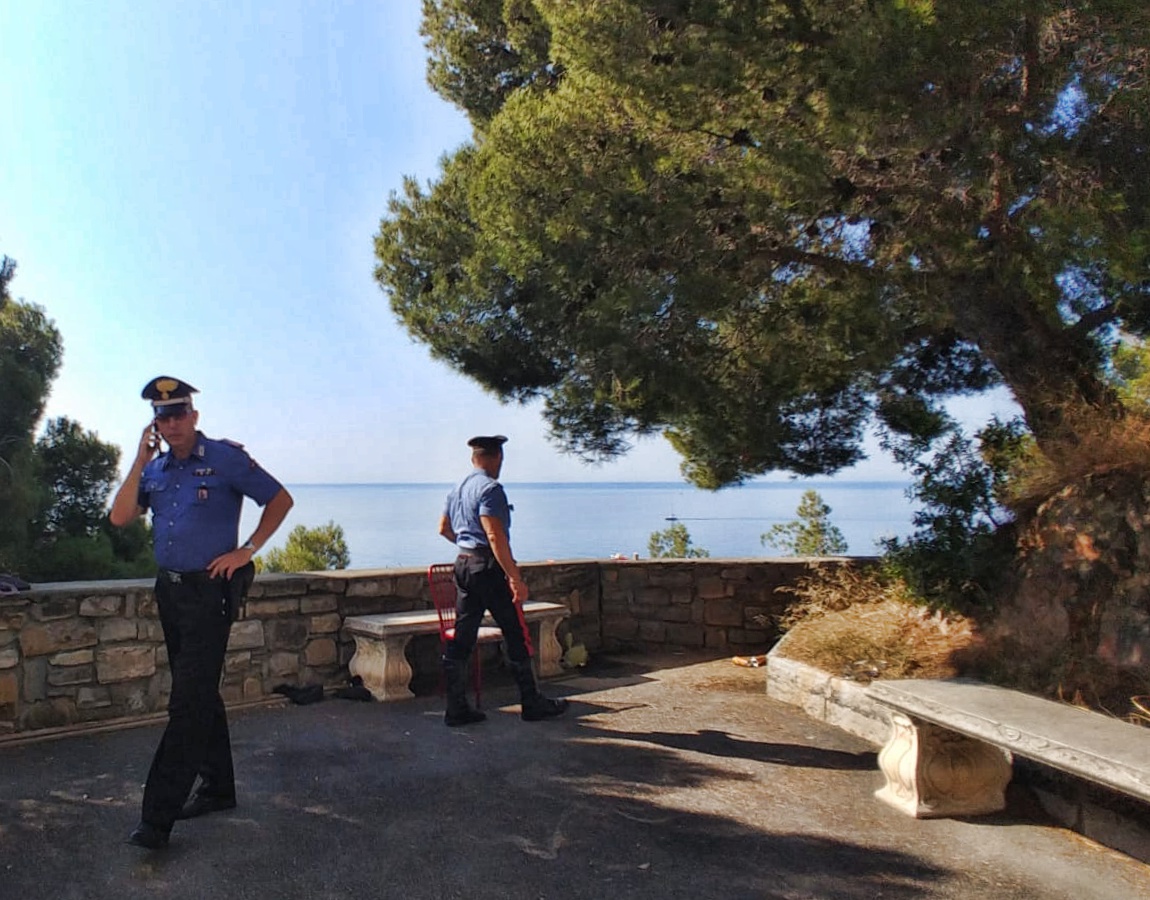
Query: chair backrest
point(441, 584)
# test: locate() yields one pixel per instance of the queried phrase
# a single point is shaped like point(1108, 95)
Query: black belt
point(173, 577)
point(481, 552)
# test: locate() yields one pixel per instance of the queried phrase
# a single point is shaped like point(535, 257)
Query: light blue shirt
point(477, 495)
point(196, 502)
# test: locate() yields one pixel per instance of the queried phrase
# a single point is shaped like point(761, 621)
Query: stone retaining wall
point(78, 654)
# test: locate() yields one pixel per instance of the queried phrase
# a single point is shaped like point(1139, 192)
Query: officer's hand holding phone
point(149, 444)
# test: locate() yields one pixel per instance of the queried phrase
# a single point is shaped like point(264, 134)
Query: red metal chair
point(441, 585)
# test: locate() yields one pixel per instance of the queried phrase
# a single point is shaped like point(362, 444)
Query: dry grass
point(856, 624)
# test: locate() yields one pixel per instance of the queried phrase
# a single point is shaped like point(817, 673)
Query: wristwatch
point(249, 546)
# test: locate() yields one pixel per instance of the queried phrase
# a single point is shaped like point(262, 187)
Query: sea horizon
point(395, 524)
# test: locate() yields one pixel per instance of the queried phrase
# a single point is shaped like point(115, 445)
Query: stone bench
point(381, 640)
point(951, 744)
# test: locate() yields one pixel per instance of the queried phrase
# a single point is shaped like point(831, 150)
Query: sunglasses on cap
point(176, 411)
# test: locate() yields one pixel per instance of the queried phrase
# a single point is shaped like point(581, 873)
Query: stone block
point(620, 627)
point(748, 636)
point(674, 614)
point(52, 608)
point(62, 676)
point(370, 588)
point(711, 588)
point(124, 663)
point(73, 658)
point(616, 601)
point(9, 658)
point(134, 699)
point(269, 588)
point(9, 688)
point(267, 609)
point(410, 587)
point(671, 576)
point(655, 632)
point(146, 606)
point(715, 638)
point(319, 603)
point(35, 681)
point(101, 606)
point(321, 652)
point(324, 624)
point(48, 714)
point(114, 630)
point(93, 698)
point(66, 634)
point(253, 688)
point(237, 663)
point(723, 612)
point(246, 635)
point(232, 693)
point(149, 630)
point(286, 634)
point(280, 664)
point(652, 597)
point(685, 635)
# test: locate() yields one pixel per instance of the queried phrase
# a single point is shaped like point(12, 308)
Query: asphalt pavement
point(671, 776)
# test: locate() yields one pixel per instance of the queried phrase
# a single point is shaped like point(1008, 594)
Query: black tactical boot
point(533, 705)
point(459, 711)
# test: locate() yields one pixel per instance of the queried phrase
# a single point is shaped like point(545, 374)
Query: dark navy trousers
point(481, 586)
point(196, 617)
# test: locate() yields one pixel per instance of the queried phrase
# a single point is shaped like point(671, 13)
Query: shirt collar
point(197, 451)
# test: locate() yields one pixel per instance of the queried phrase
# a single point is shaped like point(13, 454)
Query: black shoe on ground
point(542, 708)
point(467, 716)
point(149, 837)
point(202, 804)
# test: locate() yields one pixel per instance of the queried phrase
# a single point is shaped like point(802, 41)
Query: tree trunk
point(1051, 370)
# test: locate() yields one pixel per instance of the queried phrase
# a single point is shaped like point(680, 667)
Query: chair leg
point(478, 654)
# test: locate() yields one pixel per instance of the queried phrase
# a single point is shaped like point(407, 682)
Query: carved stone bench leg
point(550, 651)
point(932, 772)
point(383, 666)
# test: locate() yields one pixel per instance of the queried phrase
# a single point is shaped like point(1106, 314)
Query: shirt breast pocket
point(206, 489)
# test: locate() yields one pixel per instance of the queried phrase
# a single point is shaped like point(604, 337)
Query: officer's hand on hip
point(227, 563)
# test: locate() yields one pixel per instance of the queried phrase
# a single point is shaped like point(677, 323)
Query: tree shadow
point(720, 743)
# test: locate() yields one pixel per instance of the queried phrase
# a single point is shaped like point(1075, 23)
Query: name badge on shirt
point(200, 473)
point(201, 493)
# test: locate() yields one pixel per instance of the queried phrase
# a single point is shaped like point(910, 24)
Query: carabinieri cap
point(168, 393)
point(488, 443)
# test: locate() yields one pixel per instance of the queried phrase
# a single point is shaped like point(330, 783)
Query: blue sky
point(192, 189)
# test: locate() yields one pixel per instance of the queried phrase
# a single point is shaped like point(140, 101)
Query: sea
point(395, 525)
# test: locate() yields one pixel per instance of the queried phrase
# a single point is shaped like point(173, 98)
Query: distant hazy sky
point(192, 189)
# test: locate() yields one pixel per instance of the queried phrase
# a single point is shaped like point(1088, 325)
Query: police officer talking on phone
point(195, 490)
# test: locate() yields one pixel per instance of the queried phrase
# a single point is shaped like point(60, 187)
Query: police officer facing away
point(195, 491)
point(477, 519)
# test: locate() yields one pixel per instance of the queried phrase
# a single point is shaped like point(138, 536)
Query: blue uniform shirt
point(196, 502)
point(477, 495)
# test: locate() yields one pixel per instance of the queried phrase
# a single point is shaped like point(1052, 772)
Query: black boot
point(534, 706)
point(459, 711)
